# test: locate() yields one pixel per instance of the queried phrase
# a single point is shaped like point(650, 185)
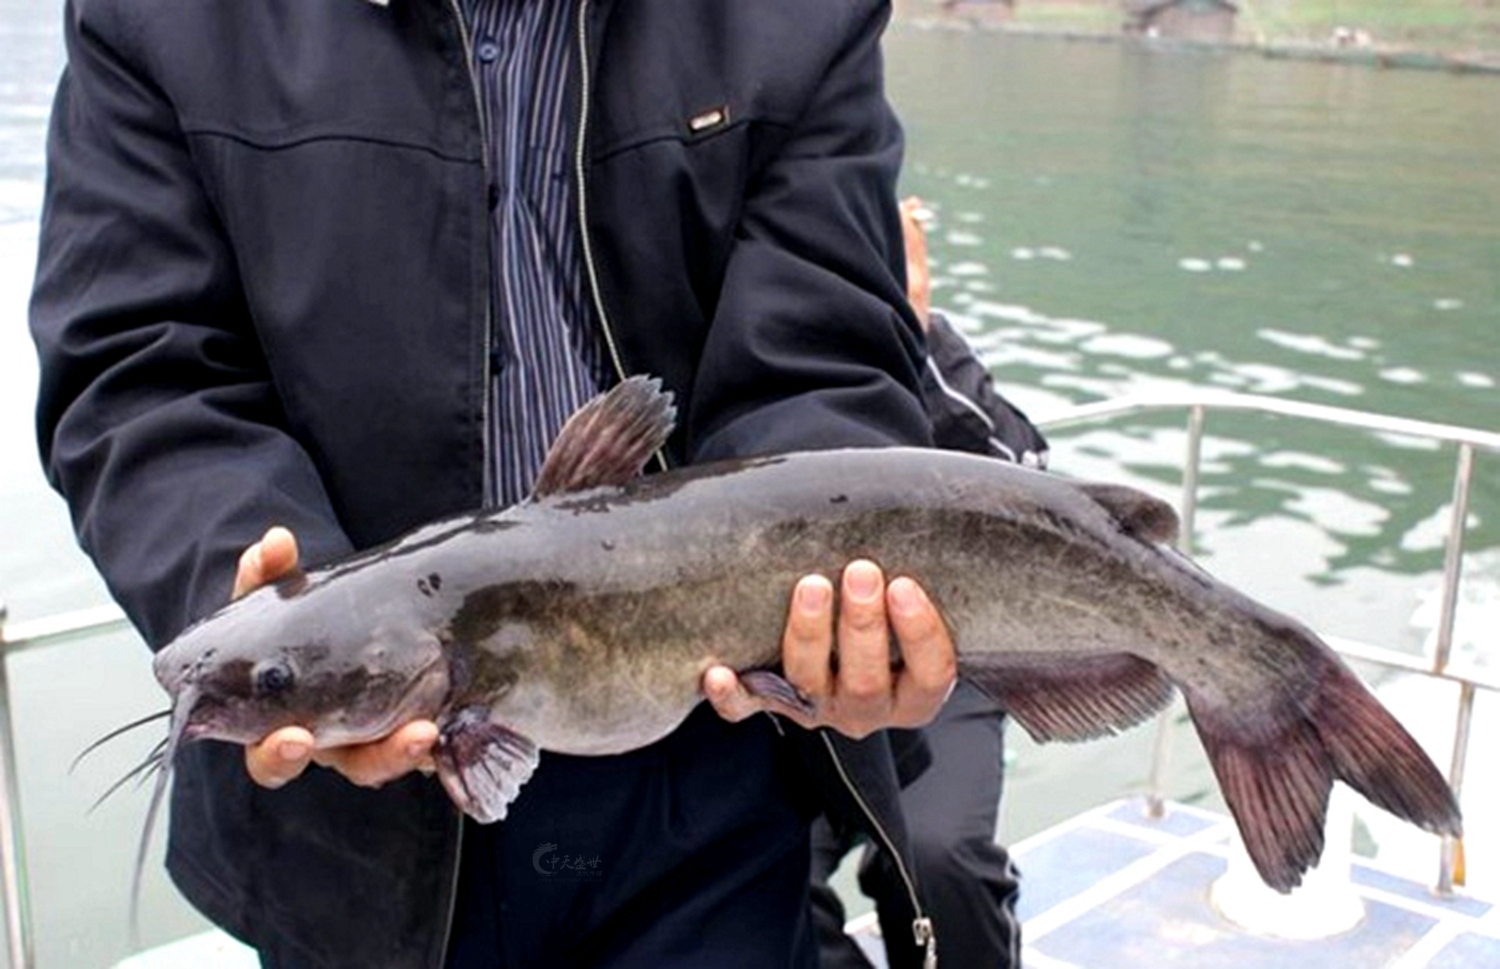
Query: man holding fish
point(344, 266)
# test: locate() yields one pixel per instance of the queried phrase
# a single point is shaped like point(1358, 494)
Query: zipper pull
point(921, 930)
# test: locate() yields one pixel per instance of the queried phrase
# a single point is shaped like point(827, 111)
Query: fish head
point(269, 661)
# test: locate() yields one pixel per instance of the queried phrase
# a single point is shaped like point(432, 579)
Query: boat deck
point(1114, 888)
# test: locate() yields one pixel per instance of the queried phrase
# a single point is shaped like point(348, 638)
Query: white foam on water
point(968, 268)
point(1132, 345)
point(1431, 533)
point(1310, 343)
point(1403, 375)
point(1304, 461)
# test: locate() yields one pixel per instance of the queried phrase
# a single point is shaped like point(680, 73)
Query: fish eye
point(273, 676)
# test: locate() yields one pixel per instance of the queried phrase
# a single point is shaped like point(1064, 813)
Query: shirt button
point(488, 51)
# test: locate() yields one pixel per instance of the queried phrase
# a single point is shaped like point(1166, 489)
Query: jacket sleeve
point(812, 343)
point(968, 413)
point(156, 416)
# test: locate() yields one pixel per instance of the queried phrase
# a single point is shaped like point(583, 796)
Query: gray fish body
point(612, 603)
point(586, 620)
point(582, 622)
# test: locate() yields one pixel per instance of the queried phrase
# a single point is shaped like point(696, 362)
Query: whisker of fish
point(118, 731)
point(180, 713)
point(140, 772)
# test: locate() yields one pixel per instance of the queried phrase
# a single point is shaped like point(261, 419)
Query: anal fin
point(482, 764)
point(1071, 697)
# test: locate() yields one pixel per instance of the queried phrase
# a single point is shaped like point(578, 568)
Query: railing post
point(12, 850)
point(1453, 558)
point(1449, 874)
point(1156, 804)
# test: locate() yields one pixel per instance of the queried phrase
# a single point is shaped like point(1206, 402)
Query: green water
point(1113, 220)
point(1107, 221)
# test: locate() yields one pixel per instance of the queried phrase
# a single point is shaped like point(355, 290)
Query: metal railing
point(1467, 441)
point(14, 638)
point(34, 634)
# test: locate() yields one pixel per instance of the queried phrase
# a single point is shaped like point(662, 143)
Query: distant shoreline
point(1363, 51)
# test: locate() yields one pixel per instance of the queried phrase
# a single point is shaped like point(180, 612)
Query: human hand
point(863, 694)
point(284, 754)
point(918, 279)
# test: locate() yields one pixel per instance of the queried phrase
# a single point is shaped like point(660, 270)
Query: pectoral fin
point(772, 686)
point(482, 764)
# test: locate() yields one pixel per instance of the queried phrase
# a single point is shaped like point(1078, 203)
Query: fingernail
point(906, 595)
point(292, 750)
point(862, 580)
point(813, 596)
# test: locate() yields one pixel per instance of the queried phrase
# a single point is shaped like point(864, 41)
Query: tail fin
point(1276, 768)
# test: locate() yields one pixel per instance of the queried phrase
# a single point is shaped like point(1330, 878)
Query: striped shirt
point(547, 357)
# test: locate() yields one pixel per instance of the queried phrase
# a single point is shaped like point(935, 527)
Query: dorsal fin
point(609, 440)
point(1139, 514)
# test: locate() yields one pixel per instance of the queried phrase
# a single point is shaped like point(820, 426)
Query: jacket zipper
point(580, 159)
point(921, 926)
point(488, 477)
point(580, 152)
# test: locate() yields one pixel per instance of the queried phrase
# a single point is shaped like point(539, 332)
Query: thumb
point(267, 560)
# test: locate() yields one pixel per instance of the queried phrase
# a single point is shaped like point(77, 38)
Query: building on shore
point(1208, 20)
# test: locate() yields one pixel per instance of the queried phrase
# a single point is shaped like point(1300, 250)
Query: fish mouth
point(192, 719)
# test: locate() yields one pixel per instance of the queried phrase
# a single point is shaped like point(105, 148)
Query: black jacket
point(262, 297)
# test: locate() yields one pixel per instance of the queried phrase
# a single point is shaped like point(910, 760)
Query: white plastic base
point(1324, 905)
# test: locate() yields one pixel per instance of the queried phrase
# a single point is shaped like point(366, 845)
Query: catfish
point(582, 621)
